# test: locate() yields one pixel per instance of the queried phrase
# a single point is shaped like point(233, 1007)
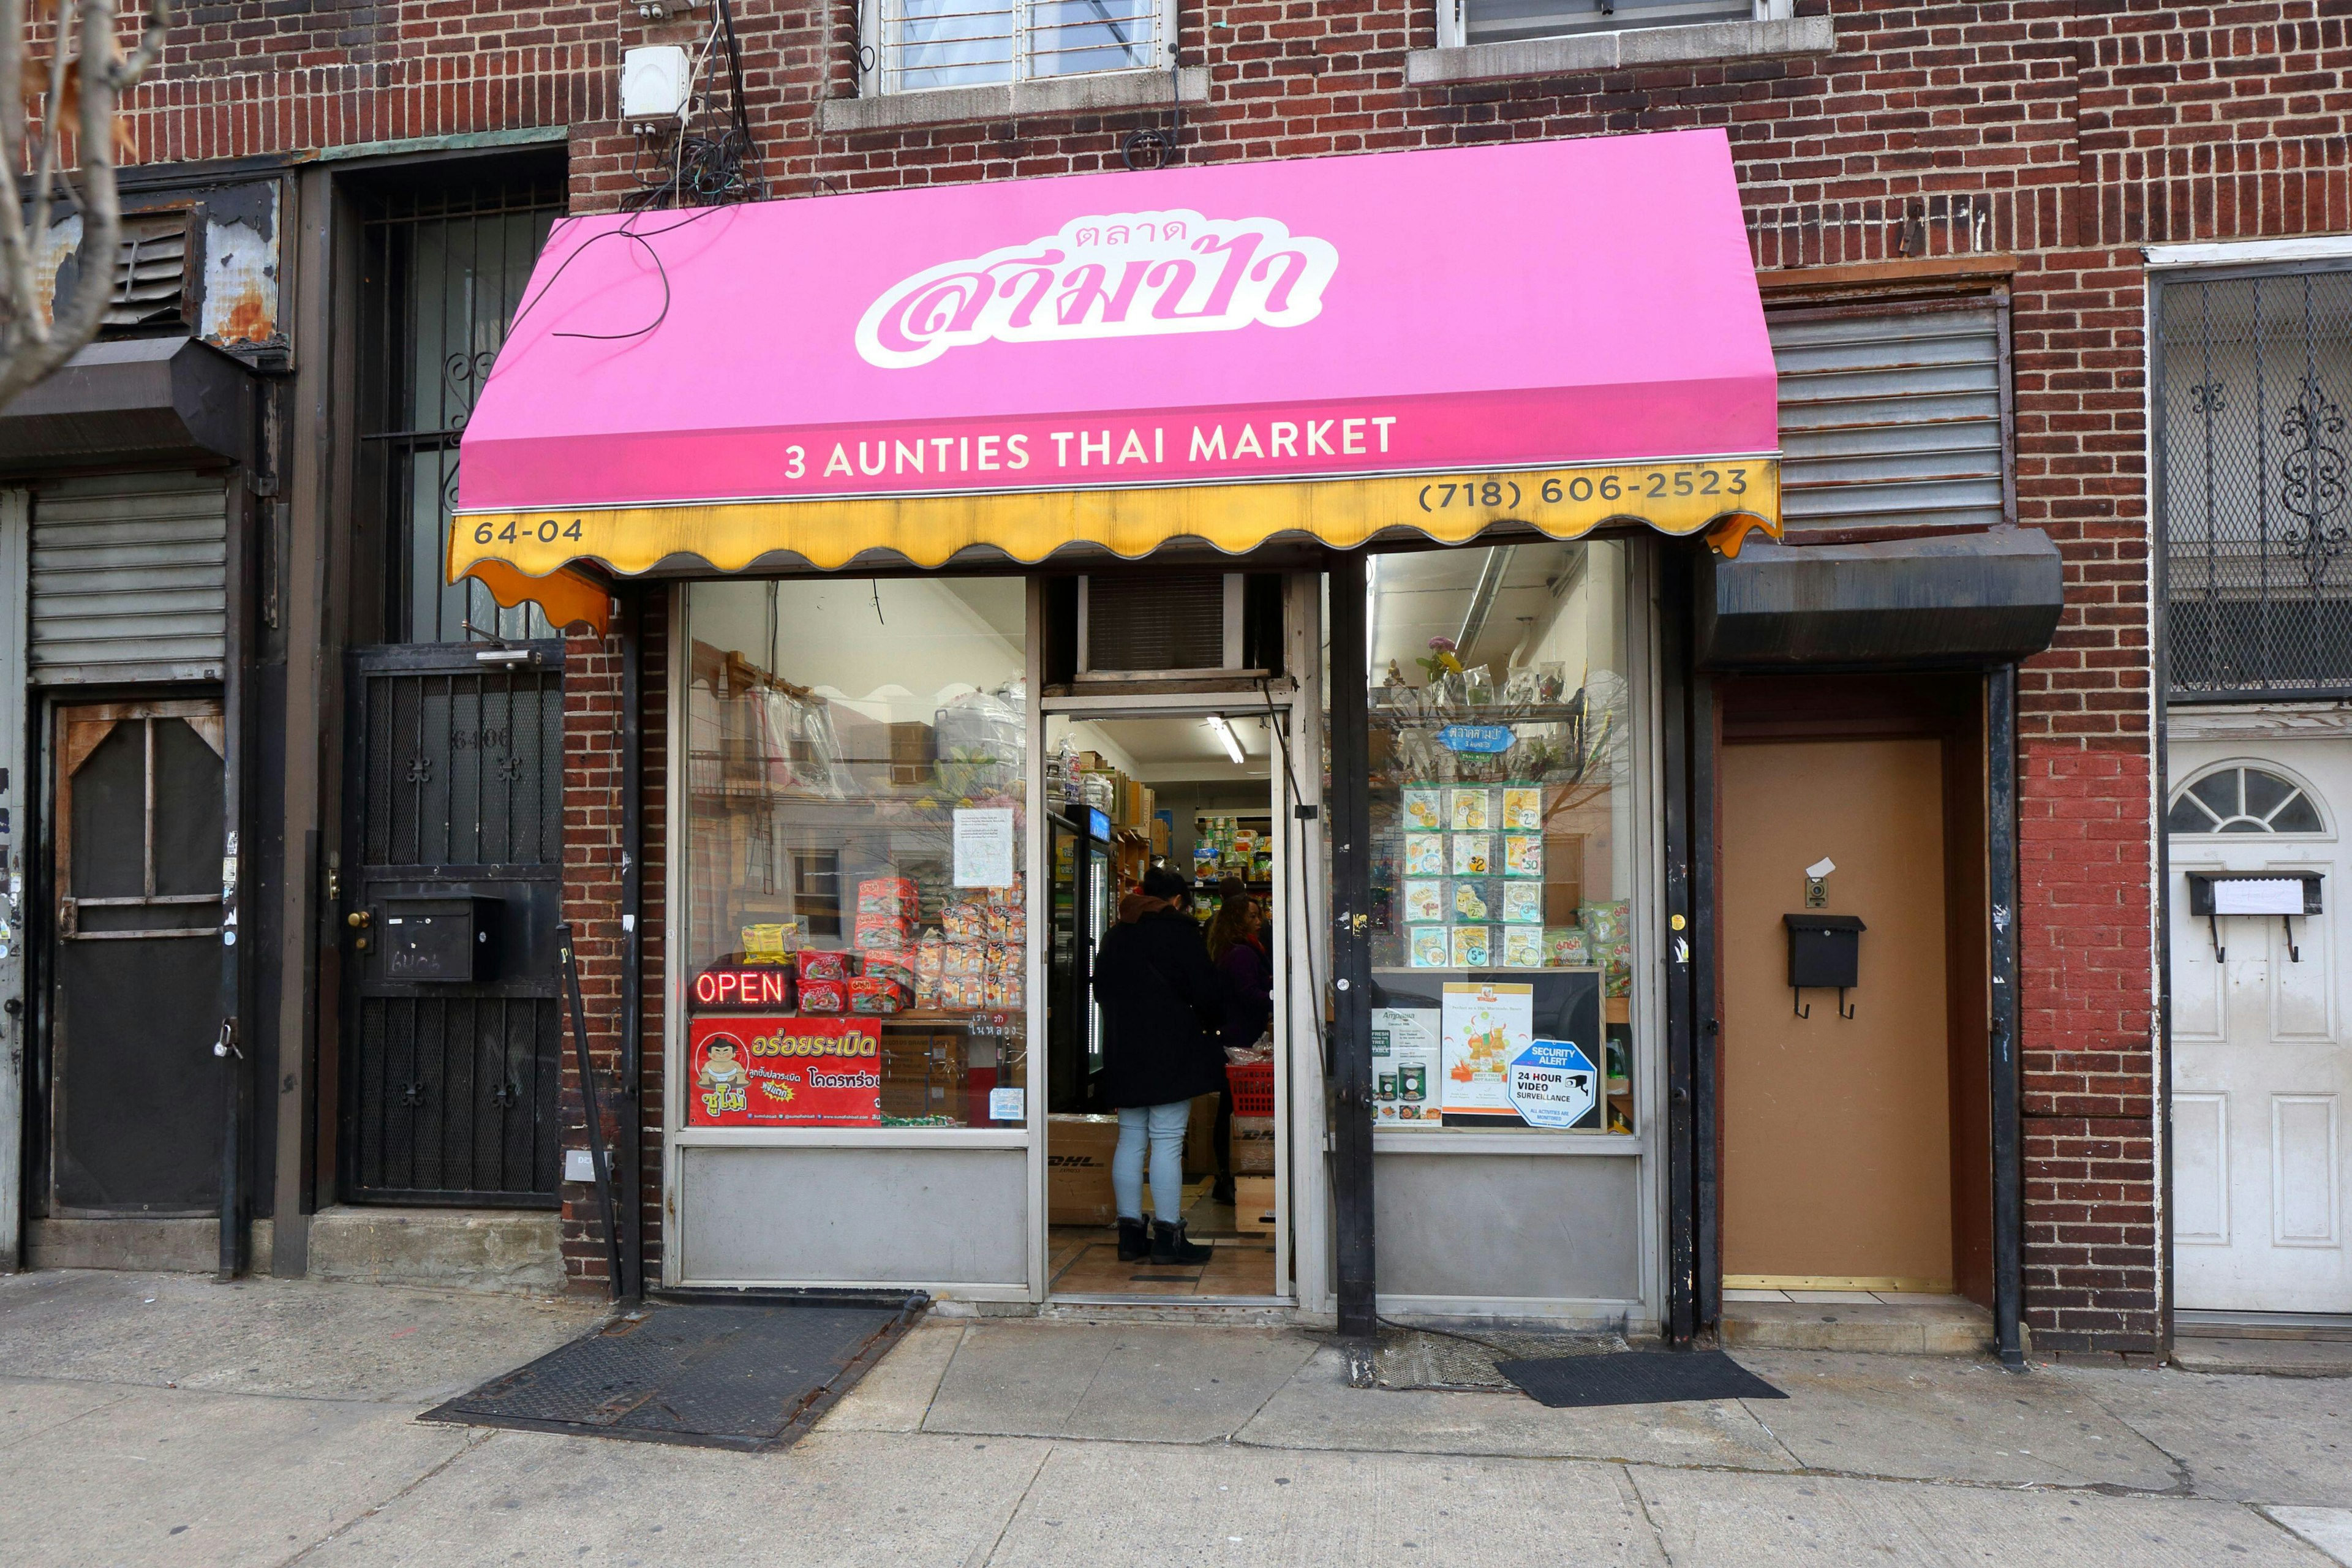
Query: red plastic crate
point(1253, 1088)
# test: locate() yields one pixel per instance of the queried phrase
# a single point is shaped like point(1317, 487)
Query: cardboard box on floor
point(1077, 1170)
point(1253, 1146)
point(1253, 1204)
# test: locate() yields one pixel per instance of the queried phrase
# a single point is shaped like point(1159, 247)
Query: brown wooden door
point(1837, 1132)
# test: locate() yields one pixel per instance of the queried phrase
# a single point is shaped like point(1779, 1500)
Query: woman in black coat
point(1162, 1011)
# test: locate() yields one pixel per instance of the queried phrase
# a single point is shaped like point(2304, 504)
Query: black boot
point(1169, 1246)
point(1223, 1191)
point(1134, 1241)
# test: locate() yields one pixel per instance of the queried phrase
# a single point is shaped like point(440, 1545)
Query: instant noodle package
point(823, 965)
point(878, 994)
point(887, 896)
point(825, 996)
point(889, 932)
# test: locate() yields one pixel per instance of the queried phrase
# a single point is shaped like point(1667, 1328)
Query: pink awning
point(1223, 350)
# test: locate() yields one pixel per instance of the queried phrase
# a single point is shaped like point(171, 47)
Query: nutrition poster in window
point(1405, 1067)
point(1484, 1027)
point(753, 1072)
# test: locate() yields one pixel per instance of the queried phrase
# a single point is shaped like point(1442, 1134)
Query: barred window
point(927, 44)
point(2252, 378)
point(2243, 800)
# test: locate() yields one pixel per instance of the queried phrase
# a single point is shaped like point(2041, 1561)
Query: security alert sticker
point(758, 1071)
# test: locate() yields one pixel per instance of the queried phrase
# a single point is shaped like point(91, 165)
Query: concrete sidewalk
point(164, 1420)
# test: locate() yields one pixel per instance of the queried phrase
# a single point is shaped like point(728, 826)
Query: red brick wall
point(2068, 135)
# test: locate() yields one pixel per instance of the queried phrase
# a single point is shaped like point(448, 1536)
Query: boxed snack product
point(878, 994)
point(1424, 900)
point(1469, 808)
point(1429, 949)
point(823, 964)
point(891, 932)
point(1472, 948)
point(1424, 808)
point(1564, 947)
point(825, 996)
point(1522, 808)
point(1523, 947)
point(1471, 901)
point(1522, 854)
point(964, 922)
point(1424, 854)
point(1474, 854)
point(887, 896)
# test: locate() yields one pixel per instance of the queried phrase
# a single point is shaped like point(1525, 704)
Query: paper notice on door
point(2258, 895)
point(1405, 1067)
point(983, 846)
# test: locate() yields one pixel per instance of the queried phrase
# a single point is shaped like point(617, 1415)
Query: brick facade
point(2060, 133)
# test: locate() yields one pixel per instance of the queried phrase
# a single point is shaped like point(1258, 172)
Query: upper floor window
point(2243, 800)
point(927, 44)
point(1510, 21)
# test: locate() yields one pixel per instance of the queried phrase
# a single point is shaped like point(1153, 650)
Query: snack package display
point(1429, 948)
point(967, 961)
point(899, 966)
point(1471, 900)
point(1604, 923)
point(1522, 808)
point(926, 991)
point(1016, 923)
point(1425, 807)
point(825, 996)
point(1523, 855)
point(961, 993)
point(1472, 949)
point(892, 933)
point(878, 994)
point(820, 966)
point(887, 896)
point(1616, 960)
point(1424, 854)
point(1523, 947)
point(1523, 904)
point(1424, 900)
point(1564, 947)
point(766, 944)
point(964, 922)
point(930, 954)
point(1470, 808)
point(1474, 854)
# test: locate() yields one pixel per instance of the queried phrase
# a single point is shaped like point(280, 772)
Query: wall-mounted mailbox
point(1824, 954)
point(441, 939)
point(2282, 894)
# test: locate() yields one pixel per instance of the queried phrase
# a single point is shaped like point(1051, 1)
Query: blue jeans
point(1163, 1125)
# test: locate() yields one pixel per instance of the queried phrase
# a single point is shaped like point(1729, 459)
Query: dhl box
point(1077, 1170)
point(1253, 1146)
point(1252, 1203)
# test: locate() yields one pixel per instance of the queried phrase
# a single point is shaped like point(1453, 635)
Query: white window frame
point(1453, 21)
point(877, 75)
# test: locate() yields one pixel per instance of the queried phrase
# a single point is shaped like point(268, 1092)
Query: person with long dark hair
point(1163, 1013)
point(1245, 976)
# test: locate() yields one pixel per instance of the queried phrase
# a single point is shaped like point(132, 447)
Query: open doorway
point(1194, 794)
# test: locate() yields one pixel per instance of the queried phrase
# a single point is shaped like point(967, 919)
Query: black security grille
point(451, 1090)
point(2252, 378)
point(449, 264)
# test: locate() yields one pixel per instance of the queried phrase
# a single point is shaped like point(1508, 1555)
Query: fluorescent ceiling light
point(1225, 733)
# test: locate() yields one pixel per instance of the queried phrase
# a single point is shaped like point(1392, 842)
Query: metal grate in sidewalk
point(747, 1375)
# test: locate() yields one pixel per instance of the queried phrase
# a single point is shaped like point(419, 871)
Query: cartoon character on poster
point(722, 1085)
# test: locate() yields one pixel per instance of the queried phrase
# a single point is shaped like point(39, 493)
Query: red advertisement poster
point(753, 1070)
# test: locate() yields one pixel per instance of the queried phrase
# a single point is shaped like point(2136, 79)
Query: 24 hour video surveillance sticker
point(1553, 1084)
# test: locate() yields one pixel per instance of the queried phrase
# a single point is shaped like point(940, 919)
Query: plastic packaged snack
point(930, 953)
point(825, 996)
point(968, 962)
point(1565, 947)
point(878, 994)
point(898, 966)
point(964, 922)
point(893, 933)
point(821, 965)
point(765, 944)
point(1604, 923)
point(887, 896)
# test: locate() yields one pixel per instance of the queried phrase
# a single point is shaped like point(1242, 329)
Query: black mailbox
point(441, 939)
point(1824, 954)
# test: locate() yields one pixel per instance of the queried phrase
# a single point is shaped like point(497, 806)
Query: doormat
point(1636, 1377)
point(736, 1374)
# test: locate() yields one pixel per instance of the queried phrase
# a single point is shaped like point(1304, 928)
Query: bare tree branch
point(82, 97)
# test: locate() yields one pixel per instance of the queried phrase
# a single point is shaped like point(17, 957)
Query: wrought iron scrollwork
point(2312, 480)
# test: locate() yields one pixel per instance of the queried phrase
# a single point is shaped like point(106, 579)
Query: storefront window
point(857, 924)
point(1504, 838)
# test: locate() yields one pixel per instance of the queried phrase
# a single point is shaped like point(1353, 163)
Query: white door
point(2260, 1070)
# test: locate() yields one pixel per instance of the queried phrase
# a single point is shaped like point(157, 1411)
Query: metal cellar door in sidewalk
point(452, 1019)
point(137, 1095)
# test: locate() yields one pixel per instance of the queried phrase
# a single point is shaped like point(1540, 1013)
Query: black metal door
point(137, 1094)
point(449, 1069)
